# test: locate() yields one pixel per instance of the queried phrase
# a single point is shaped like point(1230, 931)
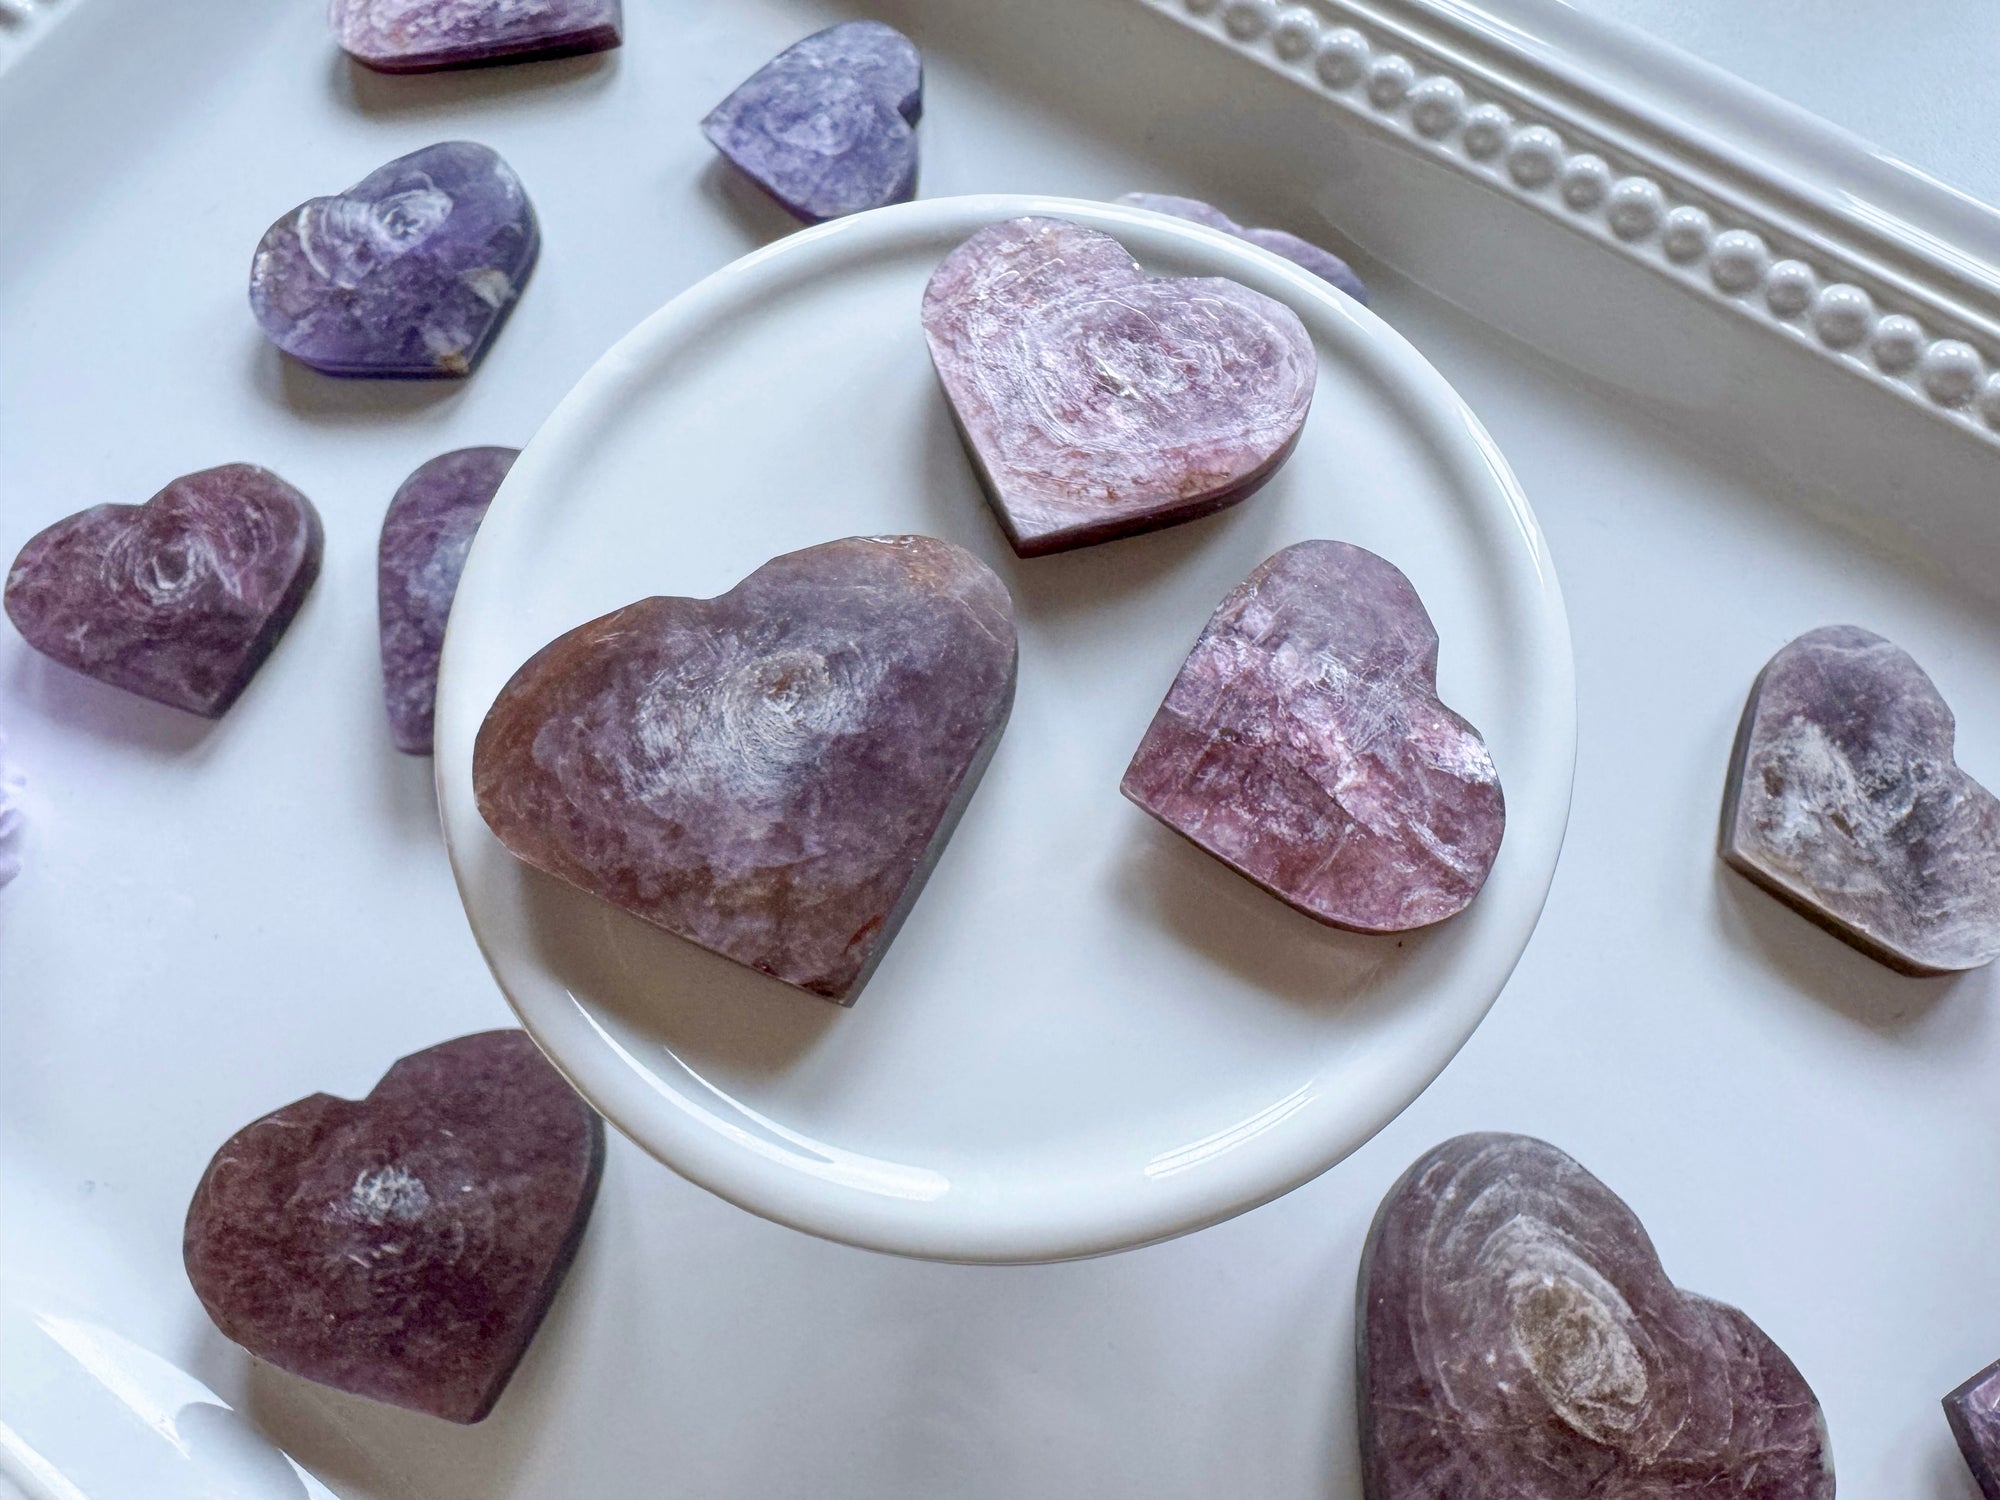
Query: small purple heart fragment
point(407, 275)
point(1322, 263)
point(1845, 802)
point(827, 127)
point(425, 538)
point(1973, 1410)
point(179, 600)
point(405, 1246)
point(423, 36)
point(1304, 745)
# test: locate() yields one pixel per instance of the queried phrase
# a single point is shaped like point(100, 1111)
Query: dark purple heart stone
point(1303, 744)
point(827, 127)
point(1322, 263)
point(1844, 802)
point(1518, 1340)
point(1974, 1413)
point(425, 537)
point(407, 274)
point(769, 773)
point(178, 600)
point(1096, 401)
point(404, 1247)
point(421, 36)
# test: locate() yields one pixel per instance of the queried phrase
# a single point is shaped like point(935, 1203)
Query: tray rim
point(1743, 201)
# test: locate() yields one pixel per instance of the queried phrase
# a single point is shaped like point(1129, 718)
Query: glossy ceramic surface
point(1088, 1035)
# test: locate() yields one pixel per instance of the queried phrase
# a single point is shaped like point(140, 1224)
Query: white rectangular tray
point(215, 922)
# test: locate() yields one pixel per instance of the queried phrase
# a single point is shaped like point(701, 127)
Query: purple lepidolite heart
point(1304, 745)
point(1518, 1340)
point(1973, 1410)
point(769, 773)
point(827, 127)
point(420, 36)
point(1844, 802)
point(1322, 263)
point(179, 600)
point(1096, 401)
point(425, 538)
point(407, 274)
point(403, 1247)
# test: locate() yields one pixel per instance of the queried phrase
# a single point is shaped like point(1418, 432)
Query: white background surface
point(217, 921)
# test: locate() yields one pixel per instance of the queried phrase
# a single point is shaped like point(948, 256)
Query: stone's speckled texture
point(13, 818)
point(1844, 802)
point(769, 773)
point(1322, 263)
point(404, 1247)
point(425, 538)
point(1304, 745)
point(1974, 1413)
point(179, 599)
point(407, 274)
point(421, 36)
point(1097, 401)
point(827, 126)
point(1518, 1340)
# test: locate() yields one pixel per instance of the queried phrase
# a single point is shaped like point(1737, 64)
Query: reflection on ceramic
point(1087, 1035)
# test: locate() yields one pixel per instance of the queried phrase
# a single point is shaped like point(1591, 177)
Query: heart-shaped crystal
point(827, 127)
point(404, 1247)
point(1322, 263)
point(1973, 1410)
point(1304, 745)
point(769, 773)
point(1519, 1340)
point(1844, 802)
point(425, 538)
point(409, 273)
point(179, 600)
point(1097, 401)
point(419, 36)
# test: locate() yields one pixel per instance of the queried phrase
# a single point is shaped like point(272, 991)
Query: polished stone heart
point(404, 1247)
point(179, 600)
point(1973, 1410)
point(407, 274)
point(827, 127)
point(1304, 745)
point(420, 36)
point(1844, 802)
point(1322, 263)
point(425, 538)
point(1518, 1340)
point(769, 773)
point(1097, 401)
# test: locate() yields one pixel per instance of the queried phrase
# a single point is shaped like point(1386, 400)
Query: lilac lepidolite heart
point(1304, 745)
point(1322, 263)
point(827, 127)
point(407, 274)
point(425, 538)
point(1844, 802)
point(1518, 1340)
point(403, 1247)
point(769, 773)
point(179, 600)
point(420, 36)
point(1097, 401)
point(1973, 1410)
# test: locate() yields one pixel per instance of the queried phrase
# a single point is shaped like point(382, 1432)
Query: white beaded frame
point(1893, 335)
point(20, 22)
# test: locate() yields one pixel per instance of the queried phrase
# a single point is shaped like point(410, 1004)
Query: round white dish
point(1088, 1034)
